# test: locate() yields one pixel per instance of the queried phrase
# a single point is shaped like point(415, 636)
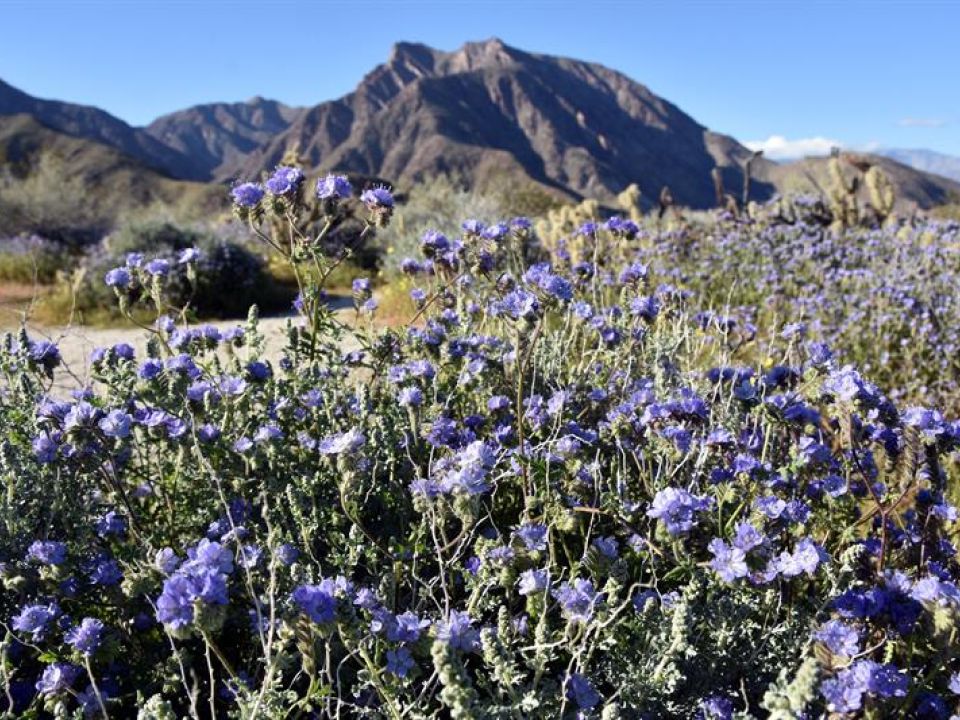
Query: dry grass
point(395, 306)
point(19, 300)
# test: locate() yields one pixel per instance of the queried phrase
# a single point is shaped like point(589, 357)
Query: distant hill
point(928, 161)
point(109, 182)
point(489, 110)
point(90, 123)
point(486, 113)
point(215, 139)
point(914, 189)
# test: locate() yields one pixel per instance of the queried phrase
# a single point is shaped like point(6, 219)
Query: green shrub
point(229, 276)
point(32, 259)
point(49, 201)
point(437, 204)
point(151, 236)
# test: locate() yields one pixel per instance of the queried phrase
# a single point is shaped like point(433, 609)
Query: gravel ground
point(77, 343)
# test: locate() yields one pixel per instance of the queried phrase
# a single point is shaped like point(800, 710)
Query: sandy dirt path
point(76, 343)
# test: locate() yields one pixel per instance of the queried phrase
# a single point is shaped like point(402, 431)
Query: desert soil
point(76, 343)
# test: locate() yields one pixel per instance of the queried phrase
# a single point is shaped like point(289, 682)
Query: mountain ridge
point(577, 127)
point(88, 122)
point(925, 160)
point(87, 184)
point(485, 112)
point(213, 135)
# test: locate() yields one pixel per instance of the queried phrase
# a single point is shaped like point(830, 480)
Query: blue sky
point(862, 74)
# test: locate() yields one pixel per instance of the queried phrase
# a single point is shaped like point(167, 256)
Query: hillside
point(90, 123)
point(928, 161)
point(488, 110)
point(914, 189)
point(486, 113)
point(216, 138)
point(97, 179)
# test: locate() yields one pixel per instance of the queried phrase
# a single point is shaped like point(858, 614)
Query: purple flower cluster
point(677, 509)
point(560, 470)
point(845, 692)
point(334, 187)
point(317, 602)
point(247, 195)
point(86, 636)
point(285, 181)
point(202, 580)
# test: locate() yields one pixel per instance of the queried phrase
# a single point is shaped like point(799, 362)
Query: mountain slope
point(106, 182)
point(90, 123)
point(928, 161)
point(914, 189)
point(485, 113)
point(488, 109)
point(192, 144)
point(220, 135)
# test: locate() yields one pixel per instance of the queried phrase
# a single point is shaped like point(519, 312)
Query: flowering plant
point(559, 491)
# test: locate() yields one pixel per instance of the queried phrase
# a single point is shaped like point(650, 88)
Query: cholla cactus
point(629, 200)
point(668, 209)
point(882, 194)
point(843, 195)
point(665, 202)
point(717, 176)
point(561, 222)
point(781, 210)
point(748, 175)
point(725, 201)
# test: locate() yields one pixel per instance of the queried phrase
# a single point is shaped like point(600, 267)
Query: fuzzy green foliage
point(565, 488)
point(440, 203)
point(566, 492)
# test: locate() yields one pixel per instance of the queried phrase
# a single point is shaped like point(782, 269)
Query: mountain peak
point(486, 112)
point(490, 53)
point(403, 50)
point(413, 59)
point(410, 60)
point(493, 44)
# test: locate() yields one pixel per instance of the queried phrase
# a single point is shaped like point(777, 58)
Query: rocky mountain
point(216, 138)
point(90, 123)
point(489, 110)
point(191, 144)
point(928, 161)
point(487, 113)
point(70, 181)
point(914, 189)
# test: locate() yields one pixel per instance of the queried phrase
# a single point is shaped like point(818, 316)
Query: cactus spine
point(843, 195)
point(882, 195)
point(629, 200)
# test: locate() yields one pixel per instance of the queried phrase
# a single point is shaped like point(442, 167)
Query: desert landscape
point(492, 384)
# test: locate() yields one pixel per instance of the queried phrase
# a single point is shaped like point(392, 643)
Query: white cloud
point(777, 147)
point(921, 122)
